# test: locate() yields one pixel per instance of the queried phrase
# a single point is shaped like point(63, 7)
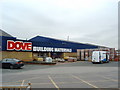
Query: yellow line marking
point(22, 82)
point(110, 79)
point(53, 82)
point(84, 81)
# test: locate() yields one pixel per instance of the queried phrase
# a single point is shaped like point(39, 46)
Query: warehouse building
point(39, 47)
point(86, 54)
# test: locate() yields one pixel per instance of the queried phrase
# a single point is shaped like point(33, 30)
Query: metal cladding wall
point(40, 41)
point(3, 42)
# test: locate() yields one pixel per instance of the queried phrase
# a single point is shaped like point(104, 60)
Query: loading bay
point(81, 74)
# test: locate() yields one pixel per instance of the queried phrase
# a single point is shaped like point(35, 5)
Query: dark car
point(11, 63)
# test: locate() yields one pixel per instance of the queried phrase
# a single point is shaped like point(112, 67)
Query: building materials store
point(39, 47)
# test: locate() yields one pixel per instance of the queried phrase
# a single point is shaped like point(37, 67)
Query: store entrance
point(56, 55)
point(37, 55)
point(43, 55)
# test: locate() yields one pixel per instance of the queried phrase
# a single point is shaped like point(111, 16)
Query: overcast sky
point(85, 21)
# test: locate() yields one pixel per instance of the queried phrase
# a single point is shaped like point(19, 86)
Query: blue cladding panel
point(4, 42)
point(48, 42)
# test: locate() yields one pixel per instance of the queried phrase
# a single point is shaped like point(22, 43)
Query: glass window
point(16, 60)
point(4, 60)
point(9, 60)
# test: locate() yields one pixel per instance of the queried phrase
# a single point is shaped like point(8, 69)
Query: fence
point(16, 87)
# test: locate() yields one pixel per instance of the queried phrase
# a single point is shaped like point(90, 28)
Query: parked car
point(117, 58)
point(66, 58)
point(60, 60)
point(72, 59)
point(48, 59)
point(11, 63)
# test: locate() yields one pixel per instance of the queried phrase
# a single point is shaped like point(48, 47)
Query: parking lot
point(81, 74)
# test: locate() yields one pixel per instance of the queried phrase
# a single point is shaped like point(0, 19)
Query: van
point(100, 57)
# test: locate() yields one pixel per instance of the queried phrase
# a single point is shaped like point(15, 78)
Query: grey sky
point(85, 21)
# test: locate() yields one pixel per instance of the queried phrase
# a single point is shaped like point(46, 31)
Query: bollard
point(29, 85)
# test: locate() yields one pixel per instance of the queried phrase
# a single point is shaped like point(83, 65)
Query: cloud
point(93, 21)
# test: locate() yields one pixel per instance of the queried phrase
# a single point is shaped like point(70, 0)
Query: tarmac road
point(81, 74)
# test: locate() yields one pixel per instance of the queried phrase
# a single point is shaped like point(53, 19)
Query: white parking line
point(84, 81)
point(110, 79)
point(53, 82)
point(22, 82)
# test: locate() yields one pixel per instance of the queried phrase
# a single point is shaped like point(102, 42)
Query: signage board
point(19, 45)
point(51, 49)
point(27, 46)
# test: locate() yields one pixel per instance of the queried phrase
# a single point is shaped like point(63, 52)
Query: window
point(9, 60)
point(16, 60)
point(4, 60)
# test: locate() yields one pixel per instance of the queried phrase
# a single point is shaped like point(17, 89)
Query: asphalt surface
point(81, 74)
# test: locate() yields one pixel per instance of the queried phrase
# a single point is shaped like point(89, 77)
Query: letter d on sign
point(10, 45)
